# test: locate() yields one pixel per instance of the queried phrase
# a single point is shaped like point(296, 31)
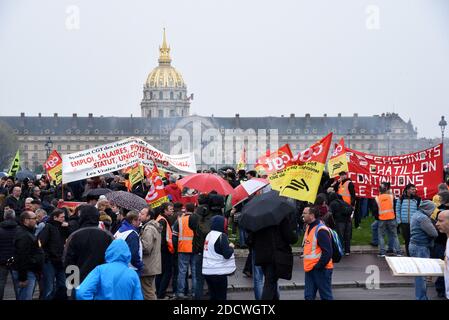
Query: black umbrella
point(22, 174)
point(96, 192)
point(265, 210)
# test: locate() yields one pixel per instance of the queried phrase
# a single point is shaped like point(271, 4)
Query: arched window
point(161, 96)
point(151, 95)
point(171, 95)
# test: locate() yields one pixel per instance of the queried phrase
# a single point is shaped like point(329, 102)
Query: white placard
point(409, 266)
point(120, 155)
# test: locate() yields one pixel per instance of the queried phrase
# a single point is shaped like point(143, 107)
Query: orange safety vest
point(185, 235)
point(312, 252)
point(385, 205)
point(168, 234)
point(343, 190)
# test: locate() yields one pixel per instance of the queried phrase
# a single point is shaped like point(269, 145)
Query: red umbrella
point(206, 182)
point(246, 189)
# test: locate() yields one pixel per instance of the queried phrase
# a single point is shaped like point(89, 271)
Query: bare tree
point(8, 145)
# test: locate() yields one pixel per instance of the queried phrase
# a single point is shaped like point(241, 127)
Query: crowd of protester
point(183, 250)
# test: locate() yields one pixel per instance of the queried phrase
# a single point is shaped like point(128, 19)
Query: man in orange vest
point(387, 221)
point(318, 264)
point(345, 188)
point(167, 250)
point(183, 241)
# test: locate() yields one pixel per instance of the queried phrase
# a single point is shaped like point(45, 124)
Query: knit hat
point(427, 207)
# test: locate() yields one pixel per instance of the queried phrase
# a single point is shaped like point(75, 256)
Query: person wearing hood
point(218, 259)
point(85, 248)
point(150, 236)
point(52, 239)
point(173, 190)
point(422, 235)
point(113, 280)
point(128, 232)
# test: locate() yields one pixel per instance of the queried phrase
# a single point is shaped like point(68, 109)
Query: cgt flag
point(53, 166)
point(276, 161)
point(338, 161)
point(156, 195)
point(302, 179)
point(15, 166)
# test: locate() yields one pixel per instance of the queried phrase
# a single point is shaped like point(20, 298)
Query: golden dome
point(165, 75)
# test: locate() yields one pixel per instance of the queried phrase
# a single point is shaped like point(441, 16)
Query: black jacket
point(74, 224)
point(199, 222)
point(351, 189)
point(8, 231)
point(272, 245)
point(52, 239)
point(28, 256)
point(87, 246)
point(341, 211)
point(13, 203)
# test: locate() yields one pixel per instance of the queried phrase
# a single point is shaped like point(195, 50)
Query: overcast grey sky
point(253, 57)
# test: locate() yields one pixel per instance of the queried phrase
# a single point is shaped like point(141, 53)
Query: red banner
point(69, 204)
point(423, 168)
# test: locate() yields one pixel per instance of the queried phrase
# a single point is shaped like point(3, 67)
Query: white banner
point(120, 155)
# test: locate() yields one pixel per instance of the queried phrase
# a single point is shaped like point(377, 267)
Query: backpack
point(203, 227)
point(337, 248)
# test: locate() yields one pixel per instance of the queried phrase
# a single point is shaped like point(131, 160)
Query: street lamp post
point(442, 125)
point(48, 146)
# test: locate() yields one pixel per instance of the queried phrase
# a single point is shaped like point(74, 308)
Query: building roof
point(74, 125)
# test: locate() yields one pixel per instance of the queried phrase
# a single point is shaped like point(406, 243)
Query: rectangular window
point(68, 147)
point(59, 147)
point(36, 147)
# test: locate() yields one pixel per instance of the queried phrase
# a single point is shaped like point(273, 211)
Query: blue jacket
point(402, 209)
point(133, 242)
point(113, 280)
